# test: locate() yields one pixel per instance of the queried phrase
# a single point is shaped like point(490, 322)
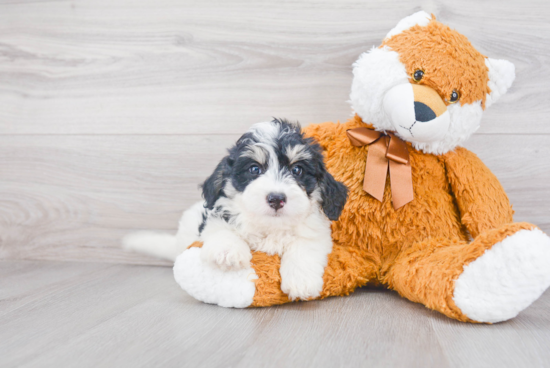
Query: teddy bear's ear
point(420, 18)
point(501, 75)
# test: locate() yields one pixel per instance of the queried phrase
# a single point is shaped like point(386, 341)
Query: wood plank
point(173, 67)
point(74, 197)
point(136, 316)
point(25, 283)
point(67, 197)
point(521, 164)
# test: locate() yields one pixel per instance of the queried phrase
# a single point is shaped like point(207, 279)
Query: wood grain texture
point(74, 197)
point(112, 112)
point(99, 315)
point(180, 67)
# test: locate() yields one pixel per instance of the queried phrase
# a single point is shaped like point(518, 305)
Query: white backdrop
point(112, 112)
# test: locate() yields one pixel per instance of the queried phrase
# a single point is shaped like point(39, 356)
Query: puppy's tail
point(157, 244)
point(164, 245)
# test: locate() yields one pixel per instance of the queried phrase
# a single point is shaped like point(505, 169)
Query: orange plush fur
point(448, 59)
point(373, 242)
point(459, 209)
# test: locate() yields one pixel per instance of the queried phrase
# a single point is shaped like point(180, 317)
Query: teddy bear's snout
point(416, 112)
point(428, 105)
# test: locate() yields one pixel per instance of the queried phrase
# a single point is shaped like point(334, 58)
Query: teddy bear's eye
point(455, 96)
point(417, 75)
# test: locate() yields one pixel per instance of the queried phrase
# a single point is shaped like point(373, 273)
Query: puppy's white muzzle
point(417, 113)
point(256, 198)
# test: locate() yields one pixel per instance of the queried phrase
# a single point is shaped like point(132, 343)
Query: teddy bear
point(424, 217)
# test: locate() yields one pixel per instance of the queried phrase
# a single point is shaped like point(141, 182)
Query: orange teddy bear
point(425, 217)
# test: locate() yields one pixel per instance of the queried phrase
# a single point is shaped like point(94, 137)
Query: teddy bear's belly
point(380, 232)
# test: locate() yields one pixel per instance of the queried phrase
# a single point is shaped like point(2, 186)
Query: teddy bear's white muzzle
point(417, 113)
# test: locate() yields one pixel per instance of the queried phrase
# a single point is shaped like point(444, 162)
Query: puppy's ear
point(334, 195)
point(212, 188)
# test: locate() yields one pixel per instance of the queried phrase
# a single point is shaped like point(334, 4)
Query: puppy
point(271, 193)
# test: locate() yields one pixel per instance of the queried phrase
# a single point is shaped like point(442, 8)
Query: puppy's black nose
point(423, 112)
point(276, 200)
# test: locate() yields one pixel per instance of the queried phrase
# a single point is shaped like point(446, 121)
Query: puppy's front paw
point(298, 283)
point(227, 256)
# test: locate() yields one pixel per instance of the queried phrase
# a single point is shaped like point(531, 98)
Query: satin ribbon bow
point(385, 150)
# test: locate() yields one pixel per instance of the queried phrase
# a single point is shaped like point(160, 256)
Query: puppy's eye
point(255, 170)
point(455, 96)
point(297, 171)
point(418, 75)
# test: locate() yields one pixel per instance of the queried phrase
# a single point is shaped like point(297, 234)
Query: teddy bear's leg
point(234, 289)
point(260, 285)
point(493, 278)
point(345, 271)
point(257, 286)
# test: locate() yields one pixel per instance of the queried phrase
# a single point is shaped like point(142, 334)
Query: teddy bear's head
point(427, 83)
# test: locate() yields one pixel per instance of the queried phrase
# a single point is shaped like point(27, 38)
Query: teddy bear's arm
point(482, 202)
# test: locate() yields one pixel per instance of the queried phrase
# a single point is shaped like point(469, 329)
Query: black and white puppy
point(271, 193)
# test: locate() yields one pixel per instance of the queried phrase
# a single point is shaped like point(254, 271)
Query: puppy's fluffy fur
point(272, 194)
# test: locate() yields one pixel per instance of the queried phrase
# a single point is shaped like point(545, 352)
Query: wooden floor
point(64, 314)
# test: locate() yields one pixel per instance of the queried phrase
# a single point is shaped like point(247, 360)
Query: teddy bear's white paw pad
point(212, 285)
point(506, 279)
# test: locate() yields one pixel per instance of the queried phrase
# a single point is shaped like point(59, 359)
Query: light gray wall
point(111, 112)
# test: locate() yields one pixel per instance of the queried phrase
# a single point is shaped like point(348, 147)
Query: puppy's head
point(274, 172)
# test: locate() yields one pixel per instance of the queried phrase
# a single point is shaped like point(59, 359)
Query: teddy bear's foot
point(211, 285)
point(506, 279)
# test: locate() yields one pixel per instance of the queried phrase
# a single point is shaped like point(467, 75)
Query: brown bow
point(384, 149)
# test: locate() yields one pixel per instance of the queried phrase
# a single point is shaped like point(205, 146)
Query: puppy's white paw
point(300, 283)
point(227, 257)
